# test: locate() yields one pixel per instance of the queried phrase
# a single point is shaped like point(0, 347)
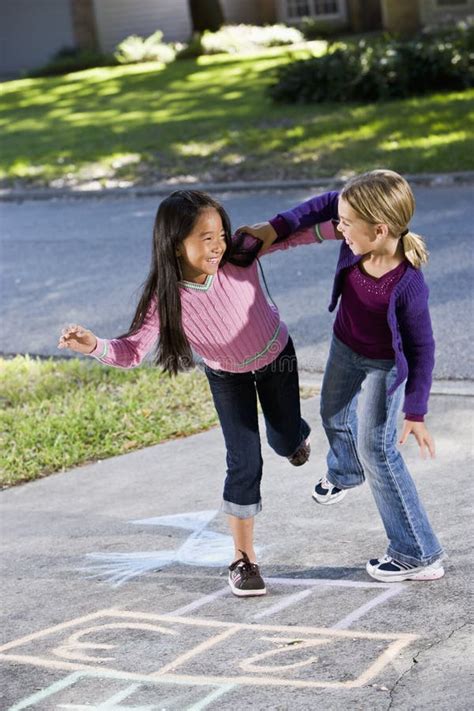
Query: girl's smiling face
point(361, 236)
point(202, 250)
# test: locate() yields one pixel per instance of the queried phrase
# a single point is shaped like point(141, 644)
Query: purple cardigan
point(408, 314)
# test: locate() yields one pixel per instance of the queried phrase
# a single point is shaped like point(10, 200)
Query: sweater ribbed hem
point(267, 355)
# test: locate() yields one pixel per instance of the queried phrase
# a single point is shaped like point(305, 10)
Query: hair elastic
point(405, 232)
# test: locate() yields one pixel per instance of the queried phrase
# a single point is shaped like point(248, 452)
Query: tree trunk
point(84, 24)
point(206, 15)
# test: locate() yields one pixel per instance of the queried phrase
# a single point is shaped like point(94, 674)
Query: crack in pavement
point(417, 655)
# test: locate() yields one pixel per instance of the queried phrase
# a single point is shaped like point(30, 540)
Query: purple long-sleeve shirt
point(407, 314)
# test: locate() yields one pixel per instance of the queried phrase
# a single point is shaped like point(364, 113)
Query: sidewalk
point(114, 590)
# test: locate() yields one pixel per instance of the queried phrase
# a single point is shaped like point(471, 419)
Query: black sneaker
point(389, 570)
point(301, 455)
point(245, 578)
point(326, 493)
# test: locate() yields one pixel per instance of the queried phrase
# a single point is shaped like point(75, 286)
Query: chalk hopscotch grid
point(222, 684)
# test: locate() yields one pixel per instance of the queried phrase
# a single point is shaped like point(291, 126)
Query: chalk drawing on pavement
point(217, 654)
point(201, 548)
point(81, 686)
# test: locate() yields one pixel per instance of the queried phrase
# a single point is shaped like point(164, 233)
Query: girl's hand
point(422, 436)
point(262, 231)
point(77, 339)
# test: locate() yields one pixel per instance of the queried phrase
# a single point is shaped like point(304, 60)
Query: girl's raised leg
point(278, 392)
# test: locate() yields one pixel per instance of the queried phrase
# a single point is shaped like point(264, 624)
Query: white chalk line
point(71, 679)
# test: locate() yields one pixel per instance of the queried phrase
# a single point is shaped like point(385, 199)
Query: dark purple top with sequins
point(361, 322)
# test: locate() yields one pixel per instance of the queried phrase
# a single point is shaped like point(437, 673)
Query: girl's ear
point(178, 252)
point(381, 230)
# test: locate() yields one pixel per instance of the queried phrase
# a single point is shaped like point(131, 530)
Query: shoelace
point(250, 569)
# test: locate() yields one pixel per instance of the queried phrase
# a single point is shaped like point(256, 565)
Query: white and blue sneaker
point(389, 570)
point(326, 493)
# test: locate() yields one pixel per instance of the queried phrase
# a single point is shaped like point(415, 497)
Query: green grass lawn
point(58, 413)
point(210, 119)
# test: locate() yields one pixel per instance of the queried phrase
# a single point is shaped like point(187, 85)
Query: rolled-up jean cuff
point(241, 511)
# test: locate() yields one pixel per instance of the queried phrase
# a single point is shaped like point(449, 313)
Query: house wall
point(31, 32)
point(253, 12)
point(364, 15)
point(400, 15)
point(268, 11)
point(241, 11)
point(433, 12)
point(117, 19)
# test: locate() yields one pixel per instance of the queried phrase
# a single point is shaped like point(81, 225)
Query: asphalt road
point(83, 261)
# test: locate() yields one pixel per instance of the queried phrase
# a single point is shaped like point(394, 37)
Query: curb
point(454, 388)
point(20, 195)
point(309, 379)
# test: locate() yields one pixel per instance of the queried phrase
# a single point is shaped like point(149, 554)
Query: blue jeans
point(235, 398)
point(368, 448)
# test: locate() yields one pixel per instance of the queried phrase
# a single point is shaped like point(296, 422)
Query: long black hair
point(174, 221)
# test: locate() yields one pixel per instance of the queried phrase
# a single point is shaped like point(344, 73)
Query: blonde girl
point(382, 338)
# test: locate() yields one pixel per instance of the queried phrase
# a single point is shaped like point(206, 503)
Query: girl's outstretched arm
point(318, 213)
point(264, 232)
point(125, 352)
point(320, 208)
point(77, 338)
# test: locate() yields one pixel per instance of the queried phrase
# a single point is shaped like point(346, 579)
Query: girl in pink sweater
point(203, 294)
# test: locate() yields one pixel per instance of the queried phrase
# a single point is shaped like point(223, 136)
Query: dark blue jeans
point(235, 398)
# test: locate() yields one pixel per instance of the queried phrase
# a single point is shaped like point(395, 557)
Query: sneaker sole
point(401, 577)
point(246, 593)
point(327, 501)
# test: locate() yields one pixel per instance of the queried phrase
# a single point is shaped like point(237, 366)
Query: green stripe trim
point(317, 233)
point(199, 287)
point(272, 340)
point(105, 350)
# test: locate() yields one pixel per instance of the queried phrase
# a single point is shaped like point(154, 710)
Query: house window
point(297, 8)
point(294, 10)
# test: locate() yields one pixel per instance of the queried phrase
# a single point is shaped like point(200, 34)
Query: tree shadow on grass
point(194, 117)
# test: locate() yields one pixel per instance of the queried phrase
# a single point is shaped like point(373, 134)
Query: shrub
point(193, 49)
point(313, 28)
point(381, 69)
point(72, 59)
point(135, 49)
point(233, 39)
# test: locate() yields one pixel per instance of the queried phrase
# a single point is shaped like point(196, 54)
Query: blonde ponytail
point(415, 249)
